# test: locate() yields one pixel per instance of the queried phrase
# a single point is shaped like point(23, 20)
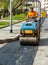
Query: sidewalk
point(9, 20)
point(6, 36)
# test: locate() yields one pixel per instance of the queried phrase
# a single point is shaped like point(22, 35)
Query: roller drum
point(30, 40)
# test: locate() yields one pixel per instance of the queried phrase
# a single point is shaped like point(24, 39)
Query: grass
point(17, 17)
point(4, 24)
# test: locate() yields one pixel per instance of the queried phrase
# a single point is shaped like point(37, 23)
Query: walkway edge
point(9, 40)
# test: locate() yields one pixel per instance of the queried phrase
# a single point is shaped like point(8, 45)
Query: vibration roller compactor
point(30, 30)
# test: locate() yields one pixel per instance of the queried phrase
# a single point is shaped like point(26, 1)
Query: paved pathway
point(5, 32)
point(15, 54)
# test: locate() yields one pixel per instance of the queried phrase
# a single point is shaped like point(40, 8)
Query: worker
point(31, 13)
point(43, 16)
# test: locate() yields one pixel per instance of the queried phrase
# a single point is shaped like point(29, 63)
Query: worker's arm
point(27, 16)
point(35, 14)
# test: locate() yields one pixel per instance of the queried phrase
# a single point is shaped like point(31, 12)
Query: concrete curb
point(9, 40)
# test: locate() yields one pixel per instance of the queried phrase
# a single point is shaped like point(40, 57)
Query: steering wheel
point(32, 17)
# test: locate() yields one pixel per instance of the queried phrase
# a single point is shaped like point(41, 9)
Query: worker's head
point(31, 9)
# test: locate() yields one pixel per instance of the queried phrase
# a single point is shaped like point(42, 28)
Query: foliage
point(18, 17)
point(5, 5)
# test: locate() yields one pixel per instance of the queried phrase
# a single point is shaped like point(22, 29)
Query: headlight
point(22, 31)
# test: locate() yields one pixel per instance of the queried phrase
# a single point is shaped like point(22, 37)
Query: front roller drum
point(28, 40)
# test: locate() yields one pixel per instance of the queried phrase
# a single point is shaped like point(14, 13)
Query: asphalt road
point(15, 54)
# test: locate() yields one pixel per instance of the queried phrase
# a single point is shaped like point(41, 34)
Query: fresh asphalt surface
point(15, 54)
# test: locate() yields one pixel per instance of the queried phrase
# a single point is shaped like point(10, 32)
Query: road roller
point(30, 30)
point(30, 33)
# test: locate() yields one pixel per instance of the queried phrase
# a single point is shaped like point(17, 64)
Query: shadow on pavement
point(44, 42)
point(15, 54)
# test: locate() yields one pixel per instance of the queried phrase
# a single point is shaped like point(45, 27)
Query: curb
point(9, 40)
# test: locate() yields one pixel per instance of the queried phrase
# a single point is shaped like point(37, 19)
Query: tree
point(5, 5)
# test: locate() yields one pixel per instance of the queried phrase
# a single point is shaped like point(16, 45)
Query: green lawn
point(3, 24)
point(17, 17)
